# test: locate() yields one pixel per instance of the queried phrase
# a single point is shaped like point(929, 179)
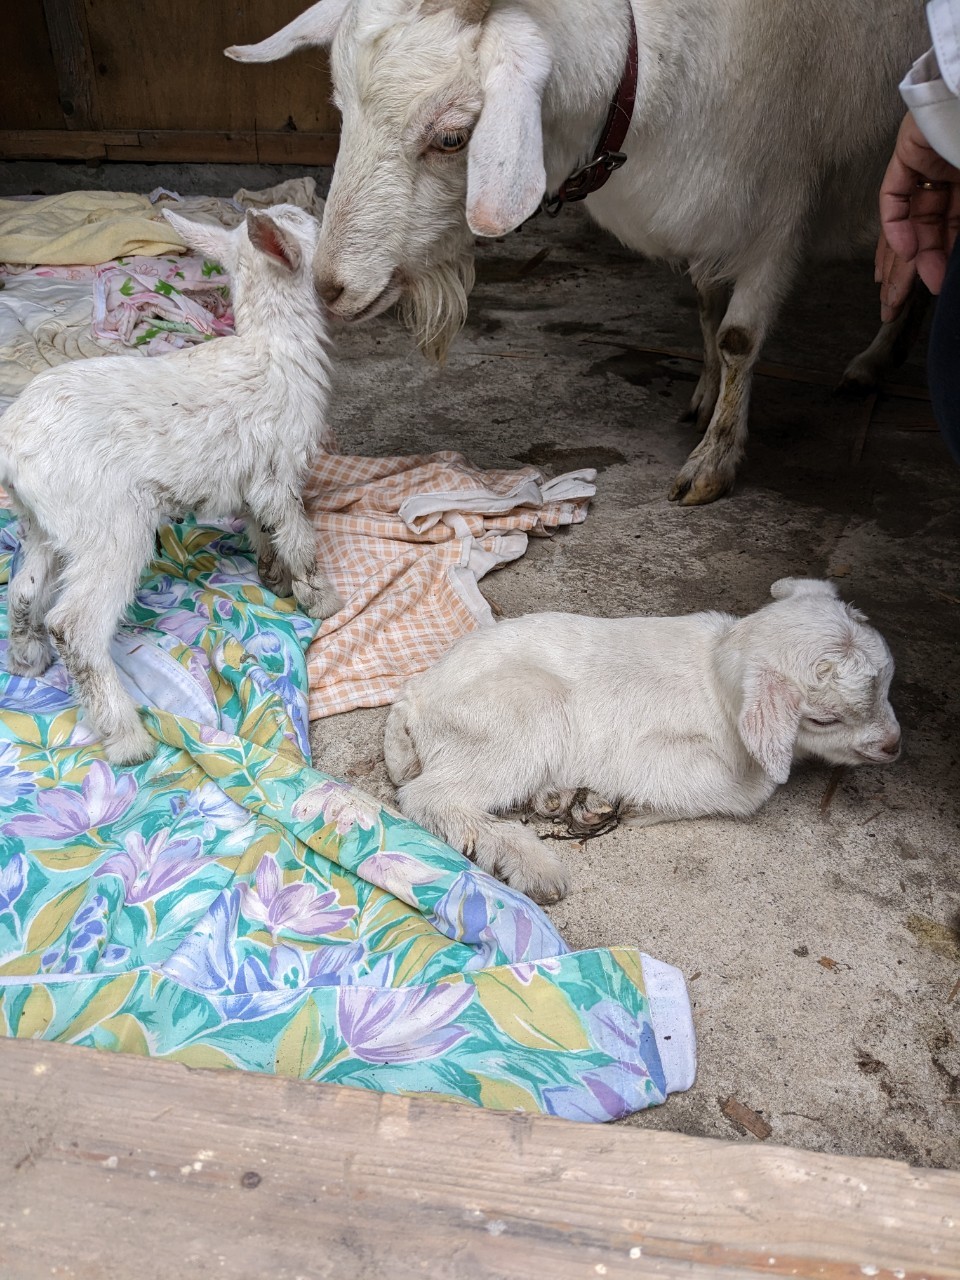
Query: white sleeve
point(931, 88)
point(943, 18)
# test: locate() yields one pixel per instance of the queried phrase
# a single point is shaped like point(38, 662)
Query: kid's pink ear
point(266, 236)
point(769, 721)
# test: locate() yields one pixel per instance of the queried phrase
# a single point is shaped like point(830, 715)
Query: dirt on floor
point(820, 939)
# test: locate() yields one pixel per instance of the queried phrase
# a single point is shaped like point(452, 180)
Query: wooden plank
point(283, 147)
point(51, 144)
point(70, 44)
point(166, 70)
point(184, 146)
point(28, 86)
point(245, 146)
point(115, 1166)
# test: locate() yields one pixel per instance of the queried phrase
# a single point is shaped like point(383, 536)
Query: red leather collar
point(608, 156)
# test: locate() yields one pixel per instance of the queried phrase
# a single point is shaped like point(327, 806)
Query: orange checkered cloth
point(406, 541)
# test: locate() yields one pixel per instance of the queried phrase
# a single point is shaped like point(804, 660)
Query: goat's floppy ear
point(769, 720)
point(213, 242)
point(505, 172)
point(316, 27)
point(784, 588)
point(273, 241)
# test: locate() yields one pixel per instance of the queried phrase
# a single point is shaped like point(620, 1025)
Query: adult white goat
point(760, 132)
point(660, 718)
point(96, 455)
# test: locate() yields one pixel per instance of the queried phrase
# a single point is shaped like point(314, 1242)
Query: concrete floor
point(820, 940)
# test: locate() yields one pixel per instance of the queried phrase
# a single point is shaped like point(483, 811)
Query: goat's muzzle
point(349, 306)
point(885, 752)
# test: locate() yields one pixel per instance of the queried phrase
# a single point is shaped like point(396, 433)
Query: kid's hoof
point(591, 815)
point(318, 598)
point(128, 746)
point(547, 890)
point(29, 656)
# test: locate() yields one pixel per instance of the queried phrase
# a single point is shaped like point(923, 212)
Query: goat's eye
point(451, 141)
point(823, 724)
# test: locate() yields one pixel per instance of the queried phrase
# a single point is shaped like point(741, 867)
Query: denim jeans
point(943, 356)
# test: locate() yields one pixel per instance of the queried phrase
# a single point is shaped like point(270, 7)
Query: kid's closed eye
point(825, 723)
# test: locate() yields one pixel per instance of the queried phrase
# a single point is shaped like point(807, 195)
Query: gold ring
point(925, 185)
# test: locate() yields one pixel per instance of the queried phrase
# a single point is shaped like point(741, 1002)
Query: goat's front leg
point(711, 469)
point(272, 571)
point(712, 303)
point(295, 544)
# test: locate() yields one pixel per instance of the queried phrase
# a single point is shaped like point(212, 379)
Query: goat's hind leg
point(711, 469)
point(586, 813)
point(98, 585)
point(29, 651)
point(712, 302)
point(889, 349)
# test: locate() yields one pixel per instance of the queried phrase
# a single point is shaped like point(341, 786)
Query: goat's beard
point(434, 305)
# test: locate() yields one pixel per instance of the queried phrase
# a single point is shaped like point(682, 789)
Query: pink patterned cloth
point(161, 303)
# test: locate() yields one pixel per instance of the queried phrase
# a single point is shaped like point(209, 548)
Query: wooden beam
point(175, 145)
point(51, 144)
point(114, 1166)
point(70, 45)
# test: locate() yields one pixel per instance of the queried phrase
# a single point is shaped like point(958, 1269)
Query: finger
point(879, 258)
point(896, 194)
point(913, 161)
point(896, 286)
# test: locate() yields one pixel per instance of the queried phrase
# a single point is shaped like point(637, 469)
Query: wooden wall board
point(161, 66)
point(109, 67)
point(116, 1167)
point(70, 45)
point(145, 145)
point(28, 86)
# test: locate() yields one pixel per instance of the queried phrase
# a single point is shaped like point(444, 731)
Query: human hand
point(919, 217)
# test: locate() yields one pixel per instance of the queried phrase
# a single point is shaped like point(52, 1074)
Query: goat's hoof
point(129, 745)
point(697, 488)
point(590, 814)
point(860, 379)
point(552, 804)
point(29, 656)
point(277, 581)
point(317, 598)
point(545, 887)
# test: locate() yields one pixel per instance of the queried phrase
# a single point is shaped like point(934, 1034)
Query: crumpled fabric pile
point(95, 273)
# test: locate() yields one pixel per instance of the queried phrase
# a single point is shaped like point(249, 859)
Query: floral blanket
point(226, 905)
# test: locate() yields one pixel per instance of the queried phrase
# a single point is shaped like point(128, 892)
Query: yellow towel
point(82, 227)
